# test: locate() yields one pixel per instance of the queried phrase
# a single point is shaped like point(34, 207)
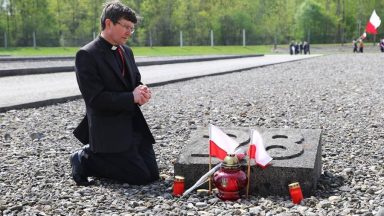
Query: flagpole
point(249, 164)
point(248, 175)
point(210, 178)
point(210, 161)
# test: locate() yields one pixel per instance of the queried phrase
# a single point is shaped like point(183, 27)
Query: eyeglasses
point(127, 27)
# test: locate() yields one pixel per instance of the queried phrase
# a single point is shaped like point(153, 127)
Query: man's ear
point(108, 23)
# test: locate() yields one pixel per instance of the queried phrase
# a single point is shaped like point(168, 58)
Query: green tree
point(4, 19)
point(277, 21)
point(157, 22)
point(27, 18)
point(313, 23)
point(194, 19)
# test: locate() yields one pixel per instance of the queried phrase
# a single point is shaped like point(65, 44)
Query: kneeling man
point(120, 142)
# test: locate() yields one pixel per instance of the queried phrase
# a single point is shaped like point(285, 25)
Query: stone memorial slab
point(296, 158)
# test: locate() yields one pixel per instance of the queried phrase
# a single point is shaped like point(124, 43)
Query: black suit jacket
point(113, 121)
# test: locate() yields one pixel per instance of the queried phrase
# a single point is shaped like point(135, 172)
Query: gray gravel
point(341, 94)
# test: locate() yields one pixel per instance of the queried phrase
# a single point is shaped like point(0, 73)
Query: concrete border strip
point(45, 70)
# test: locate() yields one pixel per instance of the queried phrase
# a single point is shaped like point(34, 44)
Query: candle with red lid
point(295, 192)
point(178, 186)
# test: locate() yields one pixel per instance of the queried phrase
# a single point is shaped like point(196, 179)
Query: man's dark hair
point(114, 10)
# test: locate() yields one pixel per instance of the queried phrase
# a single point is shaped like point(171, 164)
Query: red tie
point(122, 60)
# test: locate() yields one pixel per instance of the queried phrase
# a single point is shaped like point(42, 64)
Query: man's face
point(119, 32)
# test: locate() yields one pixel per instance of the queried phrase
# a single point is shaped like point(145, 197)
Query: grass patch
point(145, 51)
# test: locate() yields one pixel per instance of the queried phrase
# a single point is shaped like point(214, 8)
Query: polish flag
point(220, 144)
point(257, 150)
point(373, 24)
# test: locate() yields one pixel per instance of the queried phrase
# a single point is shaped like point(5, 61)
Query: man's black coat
point(113, 121)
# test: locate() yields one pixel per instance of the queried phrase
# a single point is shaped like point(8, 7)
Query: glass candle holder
point(230, 179)
point(295, 192)
point(178, 186)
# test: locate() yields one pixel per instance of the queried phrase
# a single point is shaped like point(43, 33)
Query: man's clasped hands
point(142, 94)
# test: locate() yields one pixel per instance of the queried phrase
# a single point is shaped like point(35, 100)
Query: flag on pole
point(373, 23)
point(220, 144)
point(257, 150)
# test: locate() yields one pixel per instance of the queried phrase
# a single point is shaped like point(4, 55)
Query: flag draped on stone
point(373, 23)
point(220, 144)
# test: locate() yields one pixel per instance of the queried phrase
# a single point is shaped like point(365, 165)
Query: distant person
point(301, 47)
point(296, 48)
point(382, 45)
point(361, 46)
point(120, 142)
point(306, 48)
point(292, 47)
point(354, 44)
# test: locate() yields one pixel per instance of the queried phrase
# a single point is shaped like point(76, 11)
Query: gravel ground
point(341, 94)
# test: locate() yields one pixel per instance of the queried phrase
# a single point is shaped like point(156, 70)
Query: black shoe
point(78, 174)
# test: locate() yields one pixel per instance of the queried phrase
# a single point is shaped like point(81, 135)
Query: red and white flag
point(257, 150)
point(220, 144)
point(373, 23)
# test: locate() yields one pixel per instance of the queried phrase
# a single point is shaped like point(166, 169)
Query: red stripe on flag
point(216, 151)
point(370, 28)
point(252, 151)
point(264, 167)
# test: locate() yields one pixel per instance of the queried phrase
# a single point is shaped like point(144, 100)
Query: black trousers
point(136, 166)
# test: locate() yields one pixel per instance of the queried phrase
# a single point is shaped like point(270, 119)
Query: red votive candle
point(178, 186)
point(295, 192)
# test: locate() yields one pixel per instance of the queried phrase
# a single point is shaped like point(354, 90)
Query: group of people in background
point(358, 45)
point(299, 48)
